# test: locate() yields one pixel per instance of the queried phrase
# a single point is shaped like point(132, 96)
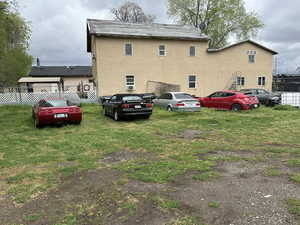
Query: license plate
point(137, 107)
point(60, 115)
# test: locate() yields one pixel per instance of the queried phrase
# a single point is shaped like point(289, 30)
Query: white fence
point(290, 98)
point(30, 98)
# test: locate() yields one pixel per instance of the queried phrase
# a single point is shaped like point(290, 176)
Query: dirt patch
point(280, 145)
point(228, 154)
point(95, 198)
point(244, 195)
point(74, 190)
point(187, 135)
point(126, 155)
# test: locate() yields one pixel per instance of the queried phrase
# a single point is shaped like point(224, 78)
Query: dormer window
point(251, 56)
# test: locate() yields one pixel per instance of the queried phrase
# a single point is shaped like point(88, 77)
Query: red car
point(229, 100)
point(47, 112)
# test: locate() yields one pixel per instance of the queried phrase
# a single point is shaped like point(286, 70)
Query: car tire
point(169, 109)
point(146, 117)
point(116, 116)
point(236, 107)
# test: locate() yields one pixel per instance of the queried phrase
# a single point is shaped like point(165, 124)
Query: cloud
point(59, 27)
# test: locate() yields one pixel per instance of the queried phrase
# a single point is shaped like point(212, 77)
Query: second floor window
point(129, 80)
point(192, 51)
point(128, 49)
point(261, 81)
point(162, 50)
point(192, 81)
point(251, 58)
point(240, 81)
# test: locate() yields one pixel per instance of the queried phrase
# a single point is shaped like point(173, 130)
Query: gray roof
point(109, 28)
point(242, 42)
point(61, 71)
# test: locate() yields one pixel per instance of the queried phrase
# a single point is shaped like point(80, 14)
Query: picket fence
point(25, 98)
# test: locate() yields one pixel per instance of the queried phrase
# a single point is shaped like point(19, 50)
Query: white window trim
point(159, 50)
point(195, 51)
point(195, 81)
point(239, 84)
point(131, 48)
point(261, 85)
point(127, 85)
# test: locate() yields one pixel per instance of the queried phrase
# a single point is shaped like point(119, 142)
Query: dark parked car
point(49, 111)
point(127, 105)
point(264, 97)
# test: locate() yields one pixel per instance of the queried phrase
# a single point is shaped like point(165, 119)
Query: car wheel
point(169, 109)
point(146, 117)
point(116, 116)
point(236, 107)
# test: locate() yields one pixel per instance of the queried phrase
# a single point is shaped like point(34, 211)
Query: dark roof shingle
point(109, 28)
point(61, 71)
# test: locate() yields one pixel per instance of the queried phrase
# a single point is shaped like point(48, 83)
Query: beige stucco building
point(136, 58)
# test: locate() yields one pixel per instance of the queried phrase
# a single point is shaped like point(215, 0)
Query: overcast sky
point(59, 27)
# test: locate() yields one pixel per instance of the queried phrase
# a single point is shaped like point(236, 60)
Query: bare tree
point(131, 12)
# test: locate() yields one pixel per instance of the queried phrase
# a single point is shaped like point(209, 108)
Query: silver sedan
point(177, 101)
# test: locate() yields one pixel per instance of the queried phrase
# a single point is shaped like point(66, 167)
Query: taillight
point(198, 104)
point(180, 104)
point(125, 106)
point(149, 105)
point(45, 110)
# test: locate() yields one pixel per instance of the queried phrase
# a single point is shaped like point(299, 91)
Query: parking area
point(209, 167)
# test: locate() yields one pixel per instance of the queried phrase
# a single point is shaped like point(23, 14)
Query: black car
point(127, 105)
point(264, 97)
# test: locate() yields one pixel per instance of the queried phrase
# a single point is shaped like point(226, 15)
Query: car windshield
point(132, 98)
point(58, 103)
point(183, 96)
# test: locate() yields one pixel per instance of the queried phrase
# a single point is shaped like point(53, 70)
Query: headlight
point(275, 98)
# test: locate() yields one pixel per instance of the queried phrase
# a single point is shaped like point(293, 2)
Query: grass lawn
point(34, 161)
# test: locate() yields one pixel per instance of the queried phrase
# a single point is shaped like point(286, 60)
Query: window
point(240, 81)
point(130, 80)
point(128, 49)
point(192, 51)
point(183, 96)
point(192, 81)
point(132, 98)
point(261, 81)
point(216, 95)
point(251, 56)
point(165, 96)
point(162, 50)
point(113, 98)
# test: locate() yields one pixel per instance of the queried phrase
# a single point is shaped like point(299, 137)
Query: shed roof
point(242, 42)
point(39, 80)
point(61, 71)
point(109, 28)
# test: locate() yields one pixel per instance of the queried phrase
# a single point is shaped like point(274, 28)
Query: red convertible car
point(47, 112)
point(229, 100)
